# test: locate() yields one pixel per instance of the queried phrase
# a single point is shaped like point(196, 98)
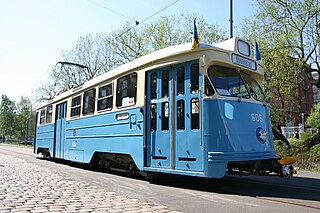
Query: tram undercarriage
point(116, 162)
point(269, 167)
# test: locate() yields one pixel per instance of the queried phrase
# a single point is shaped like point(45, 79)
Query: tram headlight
point(262, 135)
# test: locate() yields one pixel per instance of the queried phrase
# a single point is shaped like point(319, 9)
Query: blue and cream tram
point(198, 112)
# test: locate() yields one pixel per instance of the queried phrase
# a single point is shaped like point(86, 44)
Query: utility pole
point(231, 19)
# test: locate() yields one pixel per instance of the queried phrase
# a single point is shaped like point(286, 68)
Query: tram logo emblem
point(261, 135)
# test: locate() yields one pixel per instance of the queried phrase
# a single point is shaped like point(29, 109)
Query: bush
point(309, 160)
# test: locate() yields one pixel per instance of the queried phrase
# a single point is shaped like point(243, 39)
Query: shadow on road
point(302, 188)
point(272, 187)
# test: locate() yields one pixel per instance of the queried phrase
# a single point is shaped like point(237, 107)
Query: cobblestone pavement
point(26, 187)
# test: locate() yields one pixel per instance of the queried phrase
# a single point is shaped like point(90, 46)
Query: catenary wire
point(137, 23)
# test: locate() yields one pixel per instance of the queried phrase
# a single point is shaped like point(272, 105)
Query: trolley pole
point(231, 19)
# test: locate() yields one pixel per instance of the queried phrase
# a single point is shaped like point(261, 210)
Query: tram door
point(158, 131)
point(173, 127)
point(60, 122)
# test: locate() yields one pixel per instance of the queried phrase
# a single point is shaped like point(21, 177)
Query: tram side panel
point(119, 132)
point(44, 139)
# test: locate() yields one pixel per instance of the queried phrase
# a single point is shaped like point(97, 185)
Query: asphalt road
point(300, 193)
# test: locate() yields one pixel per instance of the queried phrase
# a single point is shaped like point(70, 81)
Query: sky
point(34, 32)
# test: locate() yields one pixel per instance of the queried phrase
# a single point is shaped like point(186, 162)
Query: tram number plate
point(256, 117)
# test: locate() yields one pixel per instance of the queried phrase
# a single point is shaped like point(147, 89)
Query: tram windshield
point(254, 88)
point(228, 82)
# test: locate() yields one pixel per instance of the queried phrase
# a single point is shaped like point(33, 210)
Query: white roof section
point(228, 44)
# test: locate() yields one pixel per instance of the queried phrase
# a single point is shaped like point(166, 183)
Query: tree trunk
point(279, 136)
point(313, 141)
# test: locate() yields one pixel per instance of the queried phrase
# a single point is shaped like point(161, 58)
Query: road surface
point(300, 193)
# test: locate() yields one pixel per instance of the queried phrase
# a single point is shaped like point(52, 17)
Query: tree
point(7, 110)
point(131, 42)
point(24, 119)
point(288, 33)
point(101, 53)
point(126, 44)
point(90, 52)
point(314, 121)
point(48, 91)
point(178, 29)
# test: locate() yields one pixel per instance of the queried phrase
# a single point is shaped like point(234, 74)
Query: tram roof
point(139, 62)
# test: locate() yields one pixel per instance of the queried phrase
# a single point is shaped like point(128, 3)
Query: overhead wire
point(136, 22)
point(160, 11)
point(107, 8)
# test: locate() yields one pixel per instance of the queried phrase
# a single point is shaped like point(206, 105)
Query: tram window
point(127, 90)
point(254, 88)
point(105, 98)
point(89, 101)
point(180, 115)
point(42, 116)
point(165, 116)
point(180, 81)
point(165, 83)
point(228, 82)
point(194, 78)
point(195, 113)
point(153, 117)
point(208, 87)
point(153, 94)
point(49, 114)
point(75, 106)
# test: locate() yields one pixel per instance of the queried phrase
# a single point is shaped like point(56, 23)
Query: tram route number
point(256, 117)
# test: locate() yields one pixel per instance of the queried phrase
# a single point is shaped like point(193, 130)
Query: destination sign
point(244, 62)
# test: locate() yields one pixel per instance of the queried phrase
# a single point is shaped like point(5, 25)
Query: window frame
point(180, 90)
point(86, 103)
point(42, 116)
point(241, 81)
point(49, 118)
point(119, 99)
point(194, 79)
point(251, 89)
point(165, 84)
point(76, 106)
point(105, 97)
point(153, 86)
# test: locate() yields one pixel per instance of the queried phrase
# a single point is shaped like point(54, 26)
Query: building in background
point(316, 90)
point(297, 113)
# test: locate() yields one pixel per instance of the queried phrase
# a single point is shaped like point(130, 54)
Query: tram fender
point(216, 169)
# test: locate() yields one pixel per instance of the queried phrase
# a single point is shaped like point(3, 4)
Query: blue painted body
point(227, 131)
point(187, 149)
point(104, 133)
point(60, 123)
point(229, 134)
point(45, 137)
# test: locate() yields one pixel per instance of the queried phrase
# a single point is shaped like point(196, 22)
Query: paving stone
point(26, 187)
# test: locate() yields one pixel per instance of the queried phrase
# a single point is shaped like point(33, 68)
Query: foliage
point(16, 119)
point(7, 108)
point(314, 119)
point(101, 53)
point(24, 119)
point(309, 159)
point(288, 33)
